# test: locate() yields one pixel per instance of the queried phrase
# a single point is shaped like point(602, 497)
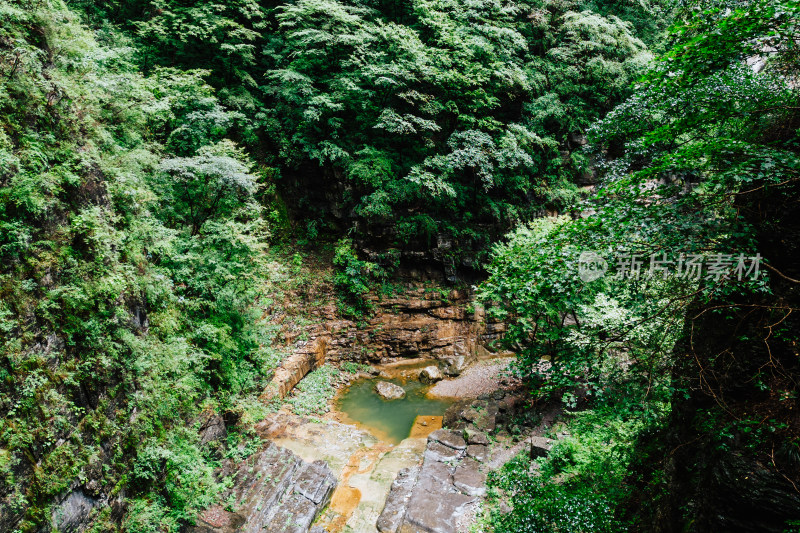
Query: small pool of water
point(390, 420)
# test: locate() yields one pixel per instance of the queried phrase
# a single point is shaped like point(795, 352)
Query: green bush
point(353, 279)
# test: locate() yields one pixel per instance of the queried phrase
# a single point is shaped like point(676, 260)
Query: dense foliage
point(131, 248)
point(700, 164)
point(434, 118)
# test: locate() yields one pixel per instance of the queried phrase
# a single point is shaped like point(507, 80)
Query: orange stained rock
point(345, 498)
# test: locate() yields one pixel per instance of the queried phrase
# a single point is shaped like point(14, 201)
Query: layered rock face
point(418, 323)
point(436, 495)
point(274, 491)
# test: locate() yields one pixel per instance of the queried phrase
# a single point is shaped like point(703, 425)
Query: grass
point(314, 392)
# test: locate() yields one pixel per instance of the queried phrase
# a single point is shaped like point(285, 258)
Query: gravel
point(480, 378)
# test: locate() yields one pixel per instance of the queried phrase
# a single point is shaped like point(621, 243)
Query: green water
point(390, 420)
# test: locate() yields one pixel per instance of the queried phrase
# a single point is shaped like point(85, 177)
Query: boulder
point(473, 436)
point(454, 365)
point(389, 391)
point(430, 374)
point(213, 429)
point(540, 446)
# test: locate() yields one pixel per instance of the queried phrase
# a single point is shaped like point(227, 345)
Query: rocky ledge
point(438, 495)
point(274, 491)
point(419, 323)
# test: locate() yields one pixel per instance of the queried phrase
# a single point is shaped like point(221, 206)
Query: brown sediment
point(424, 425)
point(343, 503)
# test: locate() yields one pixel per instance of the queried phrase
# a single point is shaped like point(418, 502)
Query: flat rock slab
point(315, 483)
point(450, 439)
point(469, 479)
point(447, 485)
point(395, 509)
point(439, 452)
point(478, 451)
point(434, 511)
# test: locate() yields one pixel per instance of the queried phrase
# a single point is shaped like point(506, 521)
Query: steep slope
point(129, 260)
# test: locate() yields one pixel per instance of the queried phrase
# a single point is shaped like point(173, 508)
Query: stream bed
point(389, 420)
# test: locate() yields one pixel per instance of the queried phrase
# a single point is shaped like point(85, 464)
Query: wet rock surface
point(71, 515)
point(274, 491)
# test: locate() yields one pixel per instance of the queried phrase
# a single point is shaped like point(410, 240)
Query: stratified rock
point(395, 508)
point(435, 504)
point(307, 357)
point(275, 492)
point(439, 452)
point(294, 515)
point(315, 483)
point(389, 391)
point(446, 486)
point(448, 438)
point(469, 479)
point(430, 374)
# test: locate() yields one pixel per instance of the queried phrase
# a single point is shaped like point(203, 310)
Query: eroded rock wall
point(420, 322)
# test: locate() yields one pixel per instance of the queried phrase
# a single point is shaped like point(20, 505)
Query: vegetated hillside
point(423, 124)
point(684, 387)
point(131, 252)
